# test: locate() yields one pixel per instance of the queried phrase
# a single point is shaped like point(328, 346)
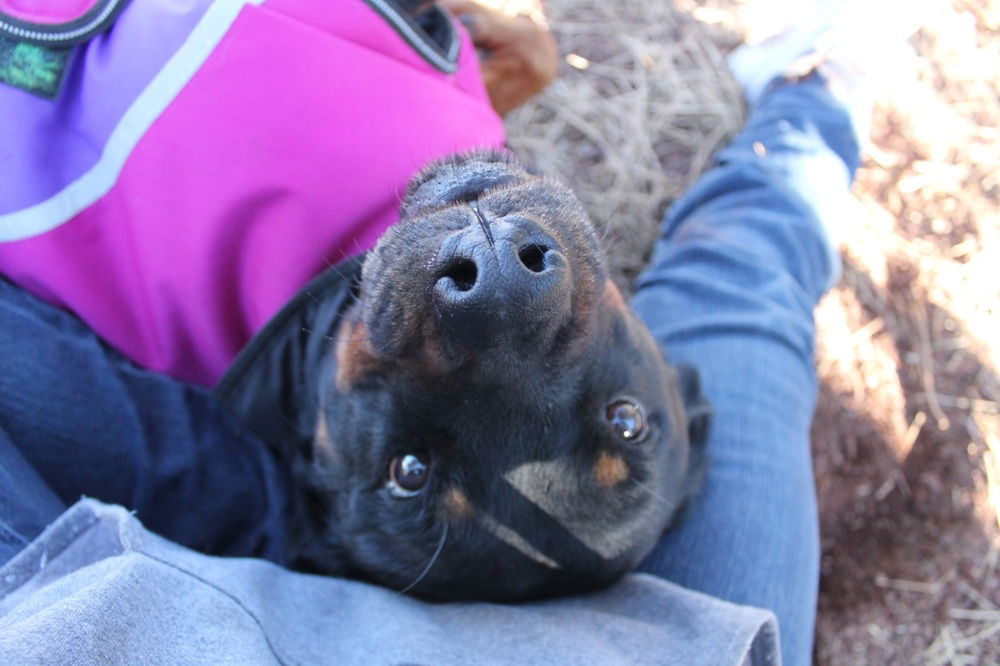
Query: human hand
point(520, 57)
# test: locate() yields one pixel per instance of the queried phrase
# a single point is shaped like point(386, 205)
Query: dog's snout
point(462, 273)
point(500, 279)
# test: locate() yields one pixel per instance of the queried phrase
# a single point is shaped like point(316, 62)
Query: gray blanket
point(97, 588)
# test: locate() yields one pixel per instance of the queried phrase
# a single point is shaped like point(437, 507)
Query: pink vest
point(205, 159)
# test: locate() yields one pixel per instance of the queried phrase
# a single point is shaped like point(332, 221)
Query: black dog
point(481, 416)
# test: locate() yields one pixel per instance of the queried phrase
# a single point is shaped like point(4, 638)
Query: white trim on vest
point(140, 116)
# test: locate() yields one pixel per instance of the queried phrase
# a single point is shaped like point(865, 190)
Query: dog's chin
point(461, 179)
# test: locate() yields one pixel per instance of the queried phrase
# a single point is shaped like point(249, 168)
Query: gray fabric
point(96, 587)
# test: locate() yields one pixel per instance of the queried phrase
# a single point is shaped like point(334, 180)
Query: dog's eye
point(408, 473)
point(626, 420)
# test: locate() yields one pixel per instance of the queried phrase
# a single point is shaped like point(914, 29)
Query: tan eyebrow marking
point(610, 470)
point(353, 357)
point(612, 297)
point(457, 503)
point(321, 440)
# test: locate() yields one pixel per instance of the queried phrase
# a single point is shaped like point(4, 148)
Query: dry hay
point(642, 102)
point(906, 437)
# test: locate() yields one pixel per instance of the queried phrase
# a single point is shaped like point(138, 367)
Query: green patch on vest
point(36, 69)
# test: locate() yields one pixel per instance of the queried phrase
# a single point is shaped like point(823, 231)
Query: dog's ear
point(699, 419)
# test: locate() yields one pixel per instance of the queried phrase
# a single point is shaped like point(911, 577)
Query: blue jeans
point(743, 259)
point(78, 419)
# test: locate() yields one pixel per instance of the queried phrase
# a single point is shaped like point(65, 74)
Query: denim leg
point(27, 504)
point(742, 261)
point(88, 422)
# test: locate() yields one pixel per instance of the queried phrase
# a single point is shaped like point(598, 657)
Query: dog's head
point(498, 424)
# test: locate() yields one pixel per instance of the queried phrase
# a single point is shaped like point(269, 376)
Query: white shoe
point(859, 46)
point(755, 66)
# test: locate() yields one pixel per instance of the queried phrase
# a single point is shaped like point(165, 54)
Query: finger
point(459, 7)
point(490, 28)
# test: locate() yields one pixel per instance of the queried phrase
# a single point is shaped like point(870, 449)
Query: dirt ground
point(906, 436)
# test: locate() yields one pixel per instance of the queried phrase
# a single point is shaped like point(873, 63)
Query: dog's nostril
point(533, 257)
point(463, 273)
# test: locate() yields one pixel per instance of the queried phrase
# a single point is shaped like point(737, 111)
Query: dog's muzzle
point(497, 280)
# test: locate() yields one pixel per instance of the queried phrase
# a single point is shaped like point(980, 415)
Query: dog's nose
point(501, 280)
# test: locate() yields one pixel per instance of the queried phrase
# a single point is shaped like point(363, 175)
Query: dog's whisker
point(335, 266)
point(663, 500)
point(310, 331)
point(332, 337)
point(434, 558)
point(313, 297)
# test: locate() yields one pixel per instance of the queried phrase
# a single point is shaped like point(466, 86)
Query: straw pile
point(642, 102)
